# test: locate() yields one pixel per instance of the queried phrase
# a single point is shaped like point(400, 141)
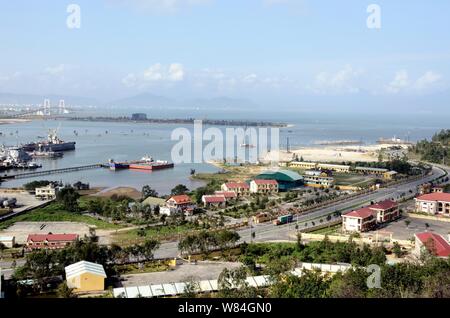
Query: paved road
point(270, 232)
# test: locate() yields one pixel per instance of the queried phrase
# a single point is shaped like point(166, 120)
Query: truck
point(284, 219)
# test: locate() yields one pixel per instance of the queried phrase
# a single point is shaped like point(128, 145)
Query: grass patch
point(327, 230)
point(159, 232)
point(148, 267)
point(55, 212)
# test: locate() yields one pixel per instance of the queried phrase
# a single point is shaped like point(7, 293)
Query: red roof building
point(433, 203)
point(240, 188)
point(264, 186)
point(179, 202)
point(434, 243)
point(50, 241)
point(227, 194)
point(366, 219)
point(214, 200)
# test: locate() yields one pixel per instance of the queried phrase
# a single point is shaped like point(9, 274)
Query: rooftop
point(84, 267)
point(384, 205)
point(234, 185)
point(441, 246)
point(52, 237)
point(363, 213)
point(435, 197)
point(274, 182)
point(214, 198)
point(180, 199)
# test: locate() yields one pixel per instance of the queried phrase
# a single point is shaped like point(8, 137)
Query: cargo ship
point(118, 165)
point(52, 144)
point(146, 163)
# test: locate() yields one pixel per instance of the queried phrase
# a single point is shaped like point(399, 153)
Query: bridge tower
point(62, 107)
point(47, 107)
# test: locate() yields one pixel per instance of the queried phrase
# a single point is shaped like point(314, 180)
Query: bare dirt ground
point(367, 153)
point(21, 230)
point(185, 272)
point(120, 191)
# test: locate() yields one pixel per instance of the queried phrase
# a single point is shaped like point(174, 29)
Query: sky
point(293, 52)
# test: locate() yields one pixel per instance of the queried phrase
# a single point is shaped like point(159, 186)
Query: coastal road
point(269, 232)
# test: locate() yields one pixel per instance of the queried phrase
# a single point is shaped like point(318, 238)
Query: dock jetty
point(53, 171)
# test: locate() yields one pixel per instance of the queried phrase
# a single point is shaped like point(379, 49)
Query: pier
point(53, 171)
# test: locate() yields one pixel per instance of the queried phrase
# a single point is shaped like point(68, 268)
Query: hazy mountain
point(25, 99)
point(225, 103)
point(143, 101)
point(147, 100)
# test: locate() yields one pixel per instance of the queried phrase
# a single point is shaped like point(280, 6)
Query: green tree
point(179, 189)
point(64, 291)
point(68, 196)
point(147, 191)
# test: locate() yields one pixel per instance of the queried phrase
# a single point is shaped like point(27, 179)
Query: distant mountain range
point(155, 101)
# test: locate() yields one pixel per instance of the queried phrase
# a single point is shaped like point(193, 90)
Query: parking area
point(21, 230)
point(184, 272)
point(24, 199)
point(402, 231)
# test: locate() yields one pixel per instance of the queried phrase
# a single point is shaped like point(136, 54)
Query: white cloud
point(157, 73)
point(154, 73)
point(176, 72)
point(130, 80)
point(402, 83)
point(58, 69)
point(341, 82)
point(427, 80)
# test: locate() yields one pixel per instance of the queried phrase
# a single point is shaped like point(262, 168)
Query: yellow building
point(85, 277)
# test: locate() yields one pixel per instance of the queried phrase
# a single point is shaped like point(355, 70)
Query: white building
point(318, 178)
point(433, 203)
point(46, 193)
point(8, 241)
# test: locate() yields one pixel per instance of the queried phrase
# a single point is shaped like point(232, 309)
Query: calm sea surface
point(97, 142)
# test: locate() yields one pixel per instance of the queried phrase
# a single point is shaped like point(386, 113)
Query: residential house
point(179, 204)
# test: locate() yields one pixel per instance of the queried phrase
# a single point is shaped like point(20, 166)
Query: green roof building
point(286, 179)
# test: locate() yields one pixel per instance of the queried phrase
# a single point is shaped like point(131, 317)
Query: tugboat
point(53, 143)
